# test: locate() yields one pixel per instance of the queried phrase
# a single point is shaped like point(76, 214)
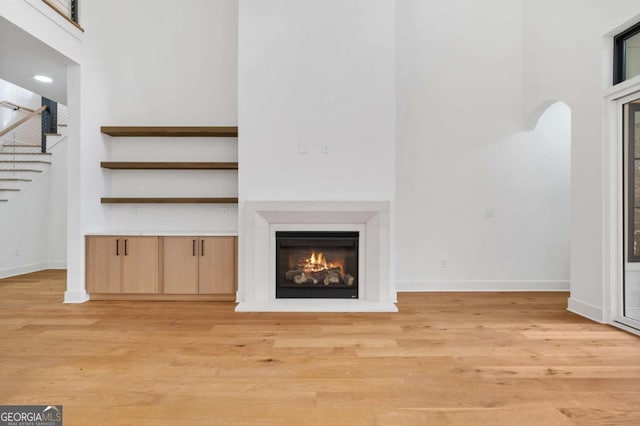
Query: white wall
point(564, 60)
point(462, 155)
point(323, 72)
point(316, 99)
point(33, 225)
point(316, 73)
point(64, 40)
point(173, 67)
point(24, 230)
point(153, 69)
point(37, 40)
point(56, 211)
point(43, 23)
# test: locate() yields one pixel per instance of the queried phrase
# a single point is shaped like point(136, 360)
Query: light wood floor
point(464, 359)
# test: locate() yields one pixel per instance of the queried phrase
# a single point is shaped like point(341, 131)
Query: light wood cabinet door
point(140, 265)
point(217, 265)
point(180, 265)
point(103, 264)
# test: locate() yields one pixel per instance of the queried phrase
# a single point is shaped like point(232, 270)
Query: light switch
point(325, 148)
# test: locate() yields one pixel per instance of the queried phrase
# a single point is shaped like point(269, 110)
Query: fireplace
point(317, 264)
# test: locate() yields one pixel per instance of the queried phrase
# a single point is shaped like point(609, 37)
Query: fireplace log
point(325, 272)
point(326, 277)
point(292, 273)
point(331, 278)
point(300, 278)
point(348, 279)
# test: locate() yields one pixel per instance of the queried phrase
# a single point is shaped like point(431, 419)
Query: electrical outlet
point(489, 214)
point(443, 262)
point(303, 148)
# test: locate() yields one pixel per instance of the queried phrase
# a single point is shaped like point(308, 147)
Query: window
point(626, 61)
point(632, 183)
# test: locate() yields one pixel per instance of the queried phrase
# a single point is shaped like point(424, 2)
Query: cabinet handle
point(118, 247)
point(193, 247)
point(125, 247)
point(201, 247)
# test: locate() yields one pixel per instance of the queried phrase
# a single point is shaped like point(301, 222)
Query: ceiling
point(22, 56)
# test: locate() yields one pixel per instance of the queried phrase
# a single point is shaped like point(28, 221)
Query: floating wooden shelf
point(20, 170)
point(9, 189)
point(170, 200)
point(22, 146)
point(219, 132)
point(14, 180)
point(132, 165)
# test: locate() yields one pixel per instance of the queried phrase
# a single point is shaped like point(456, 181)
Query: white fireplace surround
point(259, 223)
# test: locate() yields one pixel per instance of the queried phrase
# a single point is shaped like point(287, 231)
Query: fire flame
point(318, 262)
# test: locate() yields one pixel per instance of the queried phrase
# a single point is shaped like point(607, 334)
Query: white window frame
point(614, 250)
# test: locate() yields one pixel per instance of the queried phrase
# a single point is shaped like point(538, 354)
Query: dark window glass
point(632, 142)
point(627, 55)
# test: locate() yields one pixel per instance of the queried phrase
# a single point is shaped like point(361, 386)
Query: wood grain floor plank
point(444, 359)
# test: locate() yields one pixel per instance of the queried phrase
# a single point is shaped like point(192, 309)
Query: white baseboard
point(481, 285)
point(76, 297)
point(586, 310)
point(59, 264)
point(34, 267)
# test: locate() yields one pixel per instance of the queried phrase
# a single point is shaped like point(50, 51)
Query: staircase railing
point(14, 107)
point(68, 9)
point(63, 115)
point(26, 131)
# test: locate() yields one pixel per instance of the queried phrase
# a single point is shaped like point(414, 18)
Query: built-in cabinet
point(161, 267)
point(199, 265)
point(118, 264)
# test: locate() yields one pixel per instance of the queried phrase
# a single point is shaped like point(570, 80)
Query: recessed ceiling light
point(43, 78)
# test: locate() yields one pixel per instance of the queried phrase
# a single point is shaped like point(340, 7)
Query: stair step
point(61, 125)
point(15, 180)
point(25, 161)
point(53, 134)
point(21, 170)
point(24, 153)
point(169, 200)
point(22, 146)
point(132, 165)
point(175, 131)
point(9, 189)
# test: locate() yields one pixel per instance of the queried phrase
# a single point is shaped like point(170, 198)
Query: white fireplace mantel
point(261, 219)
